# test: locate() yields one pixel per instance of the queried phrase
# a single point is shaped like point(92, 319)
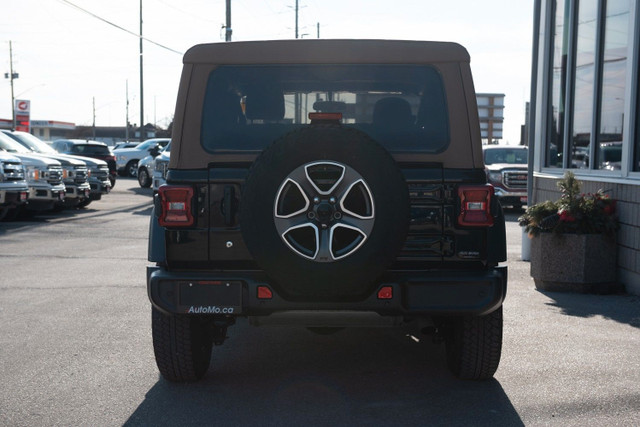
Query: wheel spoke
point(285, 224)
point(349, 179)
point(363, 225)
point(324, 251)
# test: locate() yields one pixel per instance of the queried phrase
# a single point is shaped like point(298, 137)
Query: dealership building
point(585, 112)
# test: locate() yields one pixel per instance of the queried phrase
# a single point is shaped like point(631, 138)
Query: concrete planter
point(584, 263)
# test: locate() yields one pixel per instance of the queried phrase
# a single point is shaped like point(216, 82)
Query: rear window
point(403, 107)
point(90, 149)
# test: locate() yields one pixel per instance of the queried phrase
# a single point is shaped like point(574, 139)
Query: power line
point(68, 3)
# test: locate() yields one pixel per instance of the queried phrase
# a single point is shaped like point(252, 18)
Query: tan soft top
point(450, 59)
point(313, 51)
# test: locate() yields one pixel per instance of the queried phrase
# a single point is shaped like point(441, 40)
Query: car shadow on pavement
point(144, 212)
point(620, 308)
point(68, 215)
point(142, 191)
point(286, 376)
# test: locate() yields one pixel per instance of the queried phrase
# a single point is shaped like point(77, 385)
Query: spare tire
point(324, 212)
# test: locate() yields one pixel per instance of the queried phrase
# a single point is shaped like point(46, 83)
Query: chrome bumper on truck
point(244, 294)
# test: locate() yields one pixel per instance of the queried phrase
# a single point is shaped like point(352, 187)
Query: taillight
point(176, 206)
point(475, 205)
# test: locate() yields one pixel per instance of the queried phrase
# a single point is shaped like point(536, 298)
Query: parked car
point(43, 176)
point(146, 167)
point(610, 156)
point(506, 167)
point(161, 167)
point(127, 158)
point(334, 189)
point(87, 148)
point(13, 186)
point(75, 174)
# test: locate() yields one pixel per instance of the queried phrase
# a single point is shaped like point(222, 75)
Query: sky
point(68, 60)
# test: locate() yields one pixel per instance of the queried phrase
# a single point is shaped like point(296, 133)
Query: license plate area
point(210, 297)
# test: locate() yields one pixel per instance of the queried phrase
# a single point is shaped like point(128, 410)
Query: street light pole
point(296, 18)
point(12, 76)
point(142, 133)
point(227, 27)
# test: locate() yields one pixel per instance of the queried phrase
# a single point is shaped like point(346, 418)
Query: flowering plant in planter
point(573, 246)
point(573, 213)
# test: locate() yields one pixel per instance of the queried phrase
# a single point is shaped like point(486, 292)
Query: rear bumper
point(437, 293)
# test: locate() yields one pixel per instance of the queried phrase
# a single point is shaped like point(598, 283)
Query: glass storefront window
point(636, 163)
point(614, 76)
point(585, 67)
point(555, 141)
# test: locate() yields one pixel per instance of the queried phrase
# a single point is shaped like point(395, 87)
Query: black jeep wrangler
point(326, 183)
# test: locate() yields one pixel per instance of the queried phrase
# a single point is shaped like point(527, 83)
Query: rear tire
point(474, 345)
point(182, 345)
point(132, 168)
point(143, 178)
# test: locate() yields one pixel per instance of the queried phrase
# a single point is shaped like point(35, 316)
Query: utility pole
point(296, 18)
point(12, 76)
point(227, 27)
point(126, 132)
point(142, 133)
point(94, 118)
point(297, 100)
point(318, 29)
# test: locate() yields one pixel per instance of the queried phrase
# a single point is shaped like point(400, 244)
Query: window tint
point(91, 149)
point(402, 107)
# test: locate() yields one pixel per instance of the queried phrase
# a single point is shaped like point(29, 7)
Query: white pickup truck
point(43, 175)
point(13, 187)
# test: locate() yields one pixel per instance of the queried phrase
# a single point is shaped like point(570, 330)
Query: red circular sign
point(23, 105)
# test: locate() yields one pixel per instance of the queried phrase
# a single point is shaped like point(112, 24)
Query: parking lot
point(76, 347)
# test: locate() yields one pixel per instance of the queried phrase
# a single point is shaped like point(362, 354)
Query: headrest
point(392, 112)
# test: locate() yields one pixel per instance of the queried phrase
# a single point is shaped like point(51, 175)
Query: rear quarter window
point(403, 107)
point(91, 149)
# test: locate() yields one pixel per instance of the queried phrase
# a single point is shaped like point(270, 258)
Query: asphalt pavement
point(75, 348)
